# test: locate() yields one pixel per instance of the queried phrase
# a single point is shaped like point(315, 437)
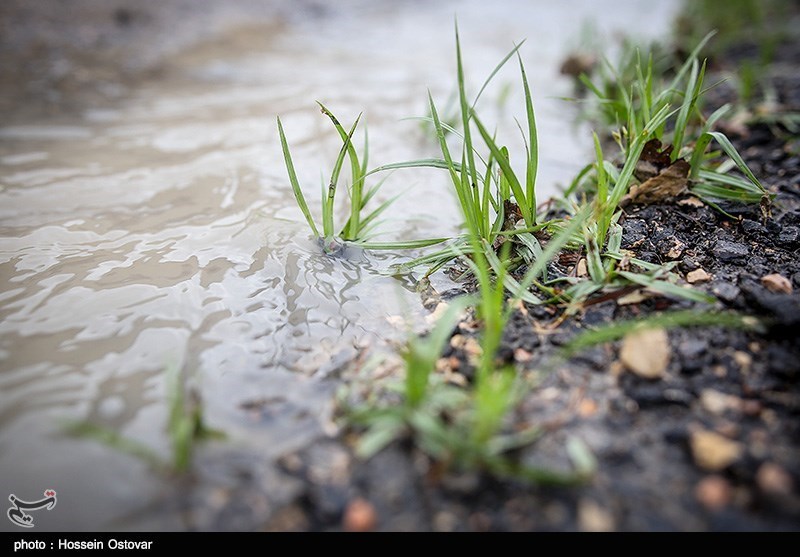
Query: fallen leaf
point(661, 179)
point(655, 154)
point(668, 184)
point(777, 283)
point(646, 352)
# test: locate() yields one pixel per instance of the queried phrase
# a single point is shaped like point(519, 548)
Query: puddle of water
point(162, 231)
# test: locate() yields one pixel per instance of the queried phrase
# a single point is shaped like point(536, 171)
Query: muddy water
point(160, 231)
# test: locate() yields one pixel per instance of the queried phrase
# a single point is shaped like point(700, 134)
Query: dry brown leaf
point(661, 179)
point(655, 154)
point(667, 185)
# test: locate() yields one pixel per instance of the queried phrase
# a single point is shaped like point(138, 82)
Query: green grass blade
point(691, 95)
point(519, 193)
point(667, 288)
point(421, 353)
point(409, 244)
point(328, 207)
point(495, 70)
point(558, 241)
point(417, 163)
point(725, 193)
point(533, 149)
point(686, 66)
point(355, 169)
point(465, 113)
point(731, 151)
point(114, 440)
point(298, 193)
point(671, 320)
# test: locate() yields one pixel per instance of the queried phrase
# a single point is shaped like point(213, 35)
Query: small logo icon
point(17, 514)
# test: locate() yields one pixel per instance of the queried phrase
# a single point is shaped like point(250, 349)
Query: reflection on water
point(162, 231)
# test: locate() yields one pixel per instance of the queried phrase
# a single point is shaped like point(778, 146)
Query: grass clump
point(185, 427)
point(360, 224)
point(664, 140)
point(462, 427)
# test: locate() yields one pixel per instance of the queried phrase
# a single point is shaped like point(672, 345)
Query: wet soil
point(710, 444)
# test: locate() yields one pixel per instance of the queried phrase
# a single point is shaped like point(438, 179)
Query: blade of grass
point(298, 192)
point(508, 173)
point(731, 151)
point(685, 318)
point(532, 148)
point(409, 244)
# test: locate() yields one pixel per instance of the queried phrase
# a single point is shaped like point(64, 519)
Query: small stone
point(691, 202)
point(692, 348)
point(397, 321)
point(688, 264)
point(646, 352)
point(360, 516)
point(772, 478)
point(789, 235)
point(712, 451)
point(752, 408)
point(725, 291)
point(718, 403)
point(697, 276)
point(480, 522)
point(473, 349)
point(434, 316)
point(713, 492)
point(777, 283)
point(587, 408)
point(743, 360)
point(581, 271)
point(676, 250)
point(616, 368)
point(445, 522)
point(521, 355)
point(752, 227)
point(594, 518)
point(728, 251)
